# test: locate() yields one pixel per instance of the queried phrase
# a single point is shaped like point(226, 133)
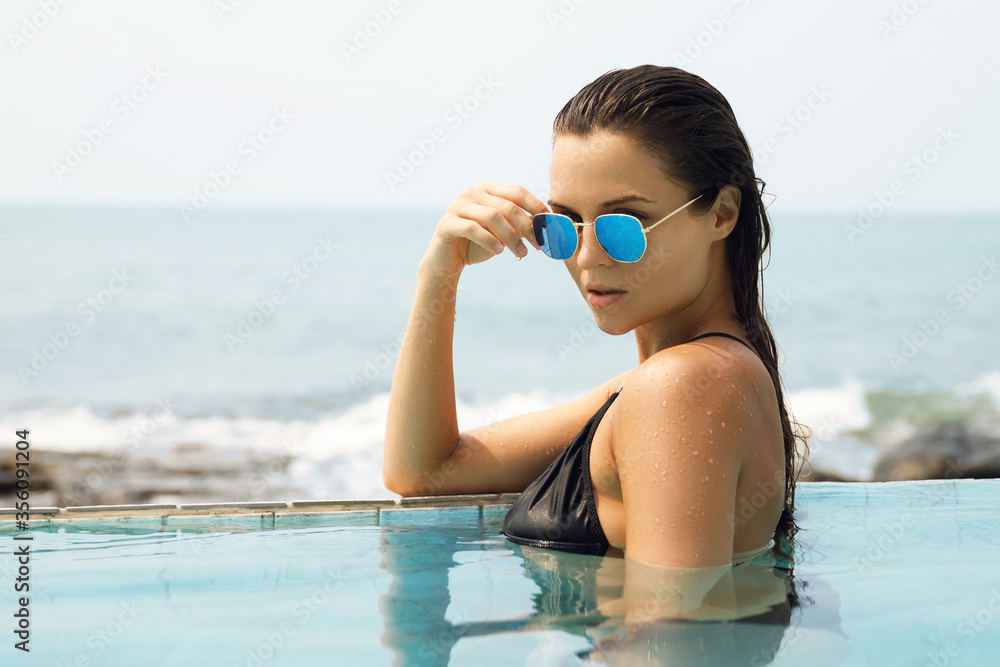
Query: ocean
point(270, 330)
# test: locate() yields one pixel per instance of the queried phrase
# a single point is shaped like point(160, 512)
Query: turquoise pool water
point(884, 574)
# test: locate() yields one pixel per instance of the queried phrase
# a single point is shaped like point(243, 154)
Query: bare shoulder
point(679, 442)
point(709, 385)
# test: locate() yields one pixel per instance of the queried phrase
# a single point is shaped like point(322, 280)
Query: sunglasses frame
point(644, 230)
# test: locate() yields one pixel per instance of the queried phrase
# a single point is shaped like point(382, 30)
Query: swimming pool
point(901, 573)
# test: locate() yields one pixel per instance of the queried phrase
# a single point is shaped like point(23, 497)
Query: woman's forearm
point(422, 427)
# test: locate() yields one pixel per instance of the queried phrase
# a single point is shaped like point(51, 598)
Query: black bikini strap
point(719, 333)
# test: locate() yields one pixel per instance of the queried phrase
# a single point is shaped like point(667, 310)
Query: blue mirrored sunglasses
point(621, 235)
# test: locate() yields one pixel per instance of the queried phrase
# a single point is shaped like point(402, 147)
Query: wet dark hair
point(690, 127)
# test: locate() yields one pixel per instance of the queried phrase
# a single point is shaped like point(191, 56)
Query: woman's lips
point(599, 299)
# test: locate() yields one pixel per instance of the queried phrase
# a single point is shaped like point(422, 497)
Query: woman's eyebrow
point(624, 199)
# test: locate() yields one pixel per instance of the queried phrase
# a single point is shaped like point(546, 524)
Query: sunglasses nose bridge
point(592, 243)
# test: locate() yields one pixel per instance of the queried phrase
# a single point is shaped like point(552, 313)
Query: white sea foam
point(988, 384)
point(829, 412)
point(340, 455)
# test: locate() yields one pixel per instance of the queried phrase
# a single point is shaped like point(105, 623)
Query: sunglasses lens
point(555, 235)
point(621, 237)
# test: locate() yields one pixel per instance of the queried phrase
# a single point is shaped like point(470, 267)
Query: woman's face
point(605, 172)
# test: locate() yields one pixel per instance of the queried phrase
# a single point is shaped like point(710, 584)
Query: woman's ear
point(727, 209)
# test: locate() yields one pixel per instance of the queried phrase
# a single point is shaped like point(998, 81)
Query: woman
point(685, 461)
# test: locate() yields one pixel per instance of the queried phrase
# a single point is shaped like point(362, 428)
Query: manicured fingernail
point(498, 247)
point(521, 250)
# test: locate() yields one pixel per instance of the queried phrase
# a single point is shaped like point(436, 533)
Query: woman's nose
point(590, 253)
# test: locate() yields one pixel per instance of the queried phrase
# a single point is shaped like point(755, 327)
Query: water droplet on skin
point(695, 453)
point(723, 425)
point(664, 404)
point(711, 431)
point(705, 480)
point(710, 460)
point(709, 412)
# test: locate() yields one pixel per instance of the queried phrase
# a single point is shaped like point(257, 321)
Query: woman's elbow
point(395, 483)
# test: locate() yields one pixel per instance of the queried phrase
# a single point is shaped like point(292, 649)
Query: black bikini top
point(557, 510)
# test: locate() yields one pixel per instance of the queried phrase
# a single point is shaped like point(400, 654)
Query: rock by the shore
point(189, 473)
point(942, 451)
point(814, 473)
point(931, 435)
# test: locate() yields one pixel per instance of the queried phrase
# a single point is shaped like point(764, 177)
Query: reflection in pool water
point(691, 616)
point(884, 574)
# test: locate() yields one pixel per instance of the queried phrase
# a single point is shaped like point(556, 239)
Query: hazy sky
point(292, 103)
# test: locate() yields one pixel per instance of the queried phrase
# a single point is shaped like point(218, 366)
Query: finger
point(475, 204)
point(482, 237)
point(518, 206)
point(496, 221)
point(468, 222)
point(517, 194)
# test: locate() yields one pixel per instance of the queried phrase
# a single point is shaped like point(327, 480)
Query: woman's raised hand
point(478, 224)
